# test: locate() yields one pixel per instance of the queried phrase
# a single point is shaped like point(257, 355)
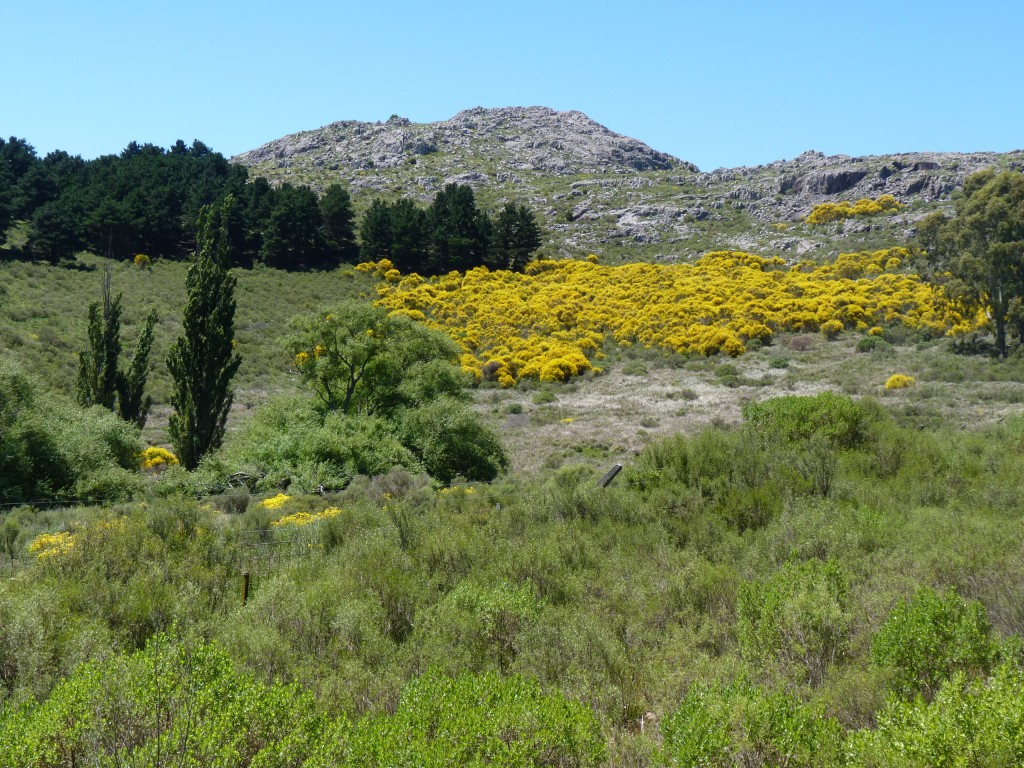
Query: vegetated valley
point(300, 454)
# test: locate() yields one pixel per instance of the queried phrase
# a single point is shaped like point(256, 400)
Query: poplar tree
point(202, 361)
point(97, 365)
point(133, 403)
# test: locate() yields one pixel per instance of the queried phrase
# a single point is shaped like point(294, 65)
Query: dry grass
point(610, 418)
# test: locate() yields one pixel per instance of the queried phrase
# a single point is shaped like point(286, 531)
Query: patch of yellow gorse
point(550, 323)
point(305, 518)
point(49, 544)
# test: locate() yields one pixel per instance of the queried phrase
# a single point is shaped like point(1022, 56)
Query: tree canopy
point(982, 247)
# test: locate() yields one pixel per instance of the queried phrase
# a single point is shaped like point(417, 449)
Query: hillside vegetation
point(401, 554)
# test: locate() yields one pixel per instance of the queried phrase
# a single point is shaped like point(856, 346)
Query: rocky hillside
point(609, 194)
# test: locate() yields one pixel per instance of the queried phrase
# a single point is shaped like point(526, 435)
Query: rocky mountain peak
point(511, 140)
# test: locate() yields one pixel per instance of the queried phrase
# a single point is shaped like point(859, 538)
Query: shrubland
point(720, 593)
point(814, 577)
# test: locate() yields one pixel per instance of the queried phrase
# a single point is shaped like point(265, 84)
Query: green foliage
point(357, 358)
point(168, 703)
point(514, 239)
point(337, 226)
point(288, 443)
point(799, 618)
point(292, 238)
point(840, 420)
point(486, 625)
point(927, 640)
point(52, 449)
point(100, 378)
point(133, 403)
point(202, 361)
point(98, 365)
point(479, 720)
point(970, 722)
point(745, 725)
point(982, 246)
point(451, 441)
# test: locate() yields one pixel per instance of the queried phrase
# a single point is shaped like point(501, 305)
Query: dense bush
point(798, 619)
point(289, 443)
point(842, 421)
point(747, 725)
point(52, 449)
point(925, 641)
point(978, 723)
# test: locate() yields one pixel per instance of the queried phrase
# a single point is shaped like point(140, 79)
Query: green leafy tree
point(357, 358)
point(982, 246)
point(202, 361)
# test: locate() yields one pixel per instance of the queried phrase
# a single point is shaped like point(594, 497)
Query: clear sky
point(716, 83)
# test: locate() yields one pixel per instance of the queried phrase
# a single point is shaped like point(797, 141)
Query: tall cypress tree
point(202, 361)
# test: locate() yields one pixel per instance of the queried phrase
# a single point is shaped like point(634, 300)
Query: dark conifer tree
point(375, 232)
point(337, 227)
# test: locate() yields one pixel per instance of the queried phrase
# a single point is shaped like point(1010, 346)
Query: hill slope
point(603, 192)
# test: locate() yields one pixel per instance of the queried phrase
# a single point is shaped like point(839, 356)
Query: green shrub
point(52, 449)
point(289, 443)
point(931, 637)
point(479, 720)
point(747, 725)
point(799, 618)
point(635, 368)
point(873, 344)
point(976, 723)
point(450, 440)
point(485, 624)
point(839, 419)
point(104, 713)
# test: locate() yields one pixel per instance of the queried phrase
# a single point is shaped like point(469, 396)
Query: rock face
point(598, 191)
point(516, 139)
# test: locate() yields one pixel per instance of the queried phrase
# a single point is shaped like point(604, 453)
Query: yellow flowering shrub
point(142, 261)
point(305, 518)
point(899, 381)
point(155, 458)
point(831, 329)
point(276, 502)
point(827, 212)
point(49, 544)
point(550, 322)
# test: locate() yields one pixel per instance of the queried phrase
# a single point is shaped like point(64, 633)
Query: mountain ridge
point(601, 191)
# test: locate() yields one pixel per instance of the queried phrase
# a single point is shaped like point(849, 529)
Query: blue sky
point(718, 84)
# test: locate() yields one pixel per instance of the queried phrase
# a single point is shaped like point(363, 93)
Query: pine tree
point(202, 361)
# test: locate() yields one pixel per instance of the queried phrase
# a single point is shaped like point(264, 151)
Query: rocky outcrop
point(599, 190)
point(511, 139)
